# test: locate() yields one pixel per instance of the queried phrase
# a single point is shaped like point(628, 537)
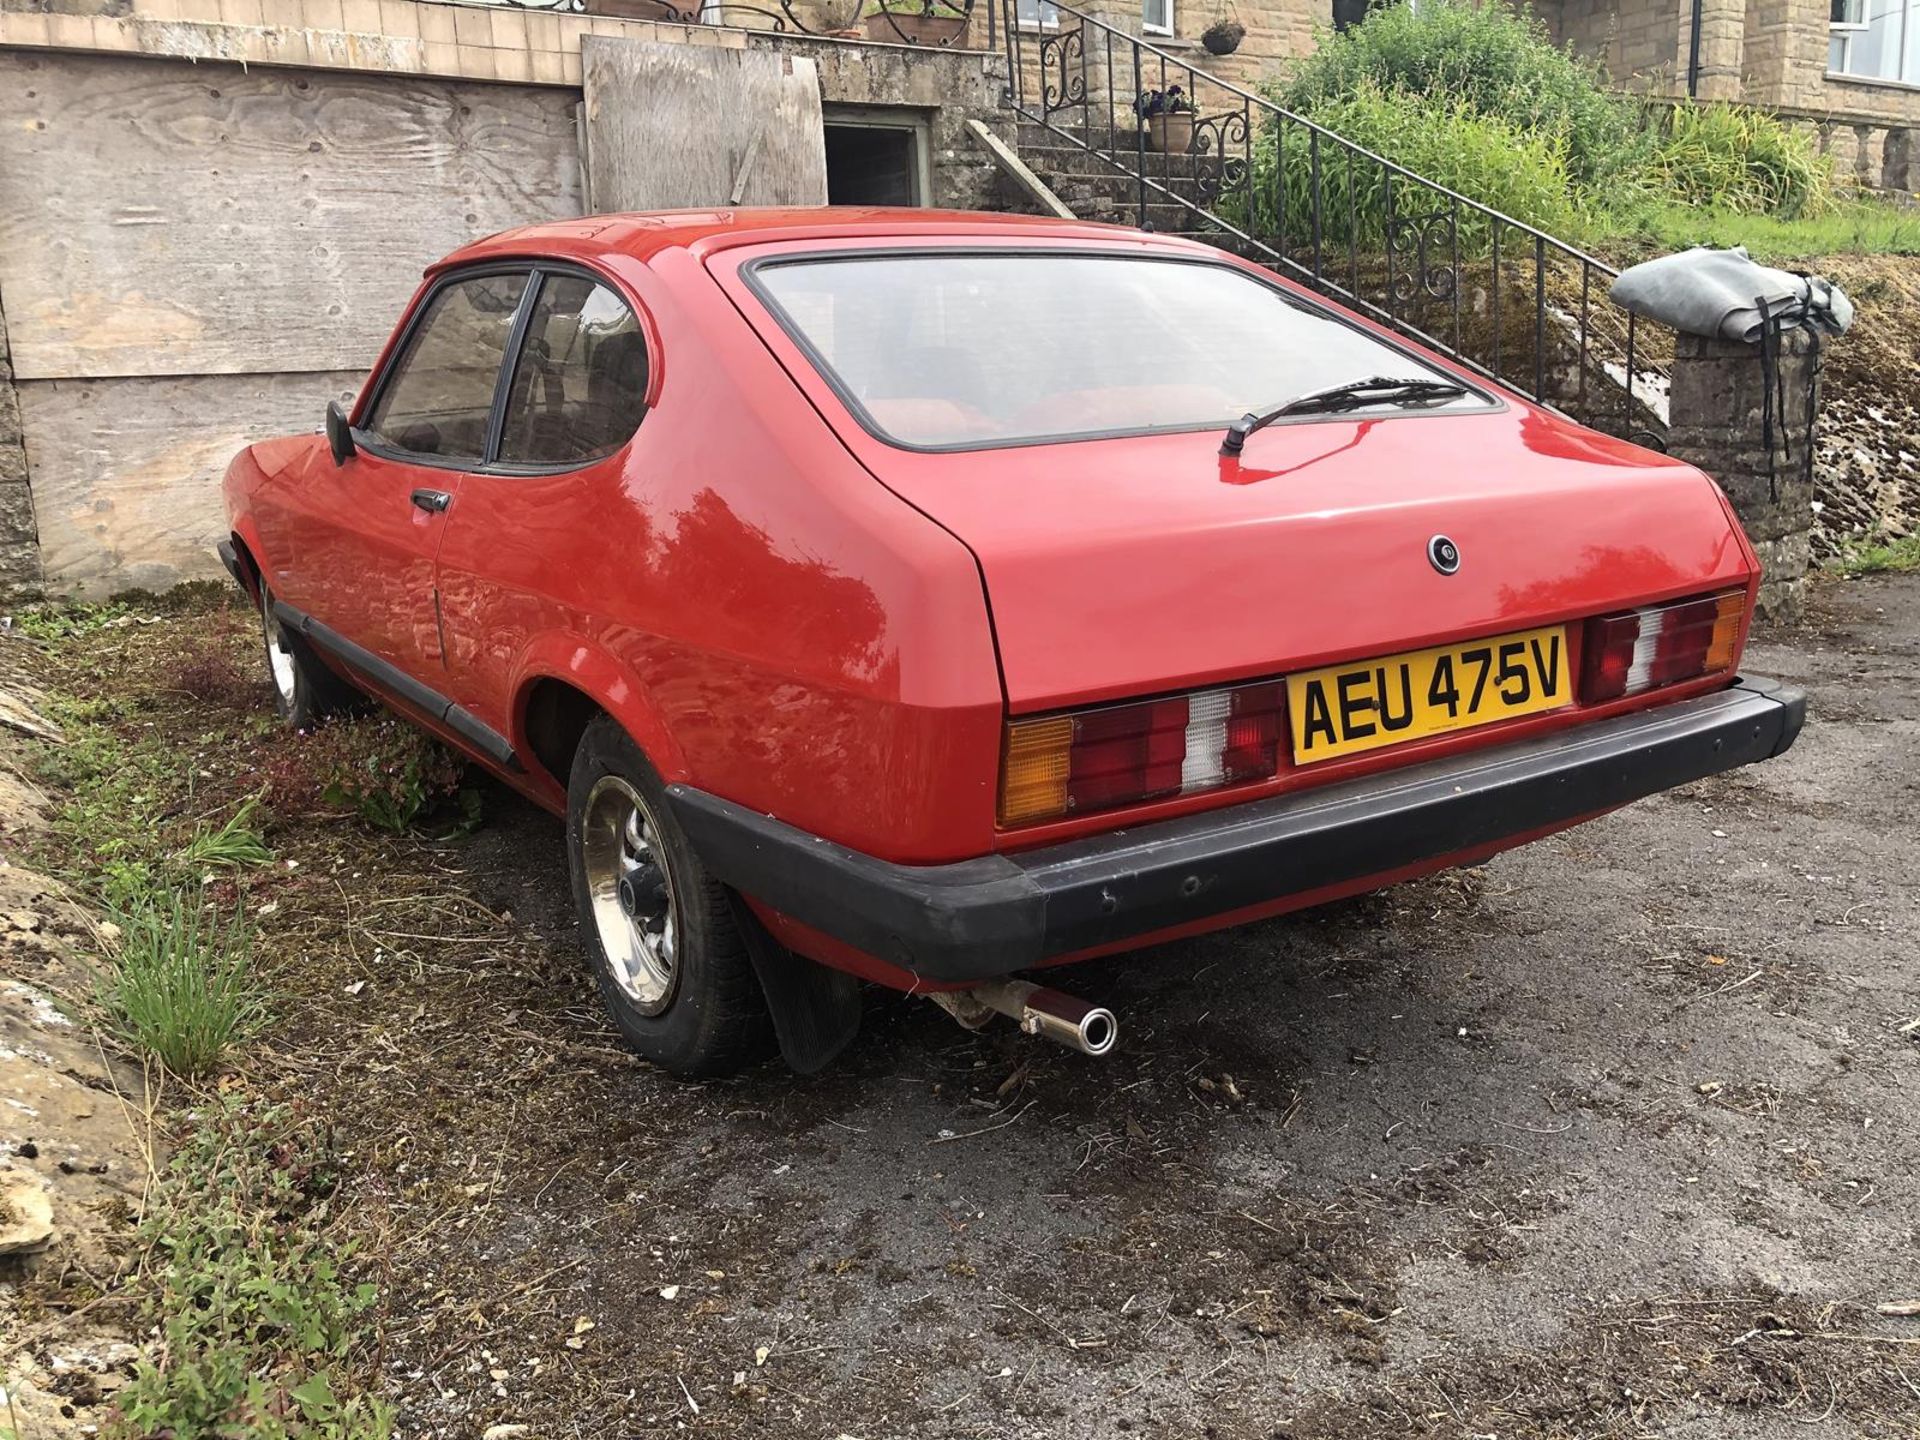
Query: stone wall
point(257, 280)
point(19, 537)
point(1638, 40)
point(1719, 400)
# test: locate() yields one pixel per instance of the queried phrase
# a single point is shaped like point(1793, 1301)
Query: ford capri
point(928, 599)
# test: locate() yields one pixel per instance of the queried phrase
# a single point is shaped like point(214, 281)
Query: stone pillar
point(1718, 402)
point(1723, 43)
point(20, 574)
point(1897, 168)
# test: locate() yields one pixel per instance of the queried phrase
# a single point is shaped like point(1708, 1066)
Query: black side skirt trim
point(396, 682)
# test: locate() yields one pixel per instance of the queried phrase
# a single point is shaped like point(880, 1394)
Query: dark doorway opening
point(873, 164)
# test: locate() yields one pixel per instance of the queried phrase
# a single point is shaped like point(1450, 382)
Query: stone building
point(1849, 68)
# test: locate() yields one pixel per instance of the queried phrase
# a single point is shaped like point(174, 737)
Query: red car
point(929, 598)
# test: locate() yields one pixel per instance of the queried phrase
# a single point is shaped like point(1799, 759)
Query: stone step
point(1069, 157)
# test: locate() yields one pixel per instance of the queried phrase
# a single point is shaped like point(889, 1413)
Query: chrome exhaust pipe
point(1062, 1018)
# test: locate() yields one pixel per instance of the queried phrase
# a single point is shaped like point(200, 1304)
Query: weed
point(181, 987)
point(1880, 557)
point(1739, 159)
point(209, 673)
point(234, 844)
point(64, 619)
point(380, 768)
point(260, 1329)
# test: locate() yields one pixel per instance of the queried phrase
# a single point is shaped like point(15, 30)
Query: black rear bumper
point(980, 918)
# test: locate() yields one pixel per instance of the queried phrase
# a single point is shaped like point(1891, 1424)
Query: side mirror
point(339, 434)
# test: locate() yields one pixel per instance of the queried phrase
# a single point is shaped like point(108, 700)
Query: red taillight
point(1126, 754)
point(1659, 645)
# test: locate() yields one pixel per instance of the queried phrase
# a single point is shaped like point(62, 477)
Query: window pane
point(985, 349)
point(1875, 51)
point(580, 386)
point(441, 391)
point(1036, 12)
point(1157, 14)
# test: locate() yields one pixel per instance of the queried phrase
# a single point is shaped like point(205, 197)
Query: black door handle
point(432, 501)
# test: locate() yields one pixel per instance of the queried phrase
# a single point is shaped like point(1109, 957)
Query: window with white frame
point(1038, 14)
point(1156, 16)
point(1875, 39)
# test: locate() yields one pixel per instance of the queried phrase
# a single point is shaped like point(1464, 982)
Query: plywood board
point(675, 126)
point(159, 218)
point(126, 473)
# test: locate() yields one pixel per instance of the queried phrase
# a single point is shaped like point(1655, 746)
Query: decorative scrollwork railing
point(930, 23)
point(1062, 72)
point(1498, 295)
point(1427, 251)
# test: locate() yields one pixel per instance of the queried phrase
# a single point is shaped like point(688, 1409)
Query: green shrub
point(1521, 173)
point(181, 987)
point(1487, 59)
point(1739, 159)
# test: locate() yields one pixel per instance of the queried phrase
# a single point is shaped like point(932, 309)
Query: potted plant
point(1167, 117)
point(1224, 35)
point(918, 22)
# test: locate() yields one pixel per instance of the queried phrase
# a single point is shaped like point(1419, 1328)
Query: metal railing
point(935, 24)
point(1500, 296)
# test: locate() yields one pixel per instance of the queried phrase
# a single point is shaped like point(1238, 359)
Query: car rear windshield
point(964, 351)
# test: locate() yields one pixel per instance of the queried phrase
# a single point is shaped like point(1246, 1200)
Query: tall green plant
point(1487, 59)
point(1739, 159)
point(1520, 173)
point(181, 988)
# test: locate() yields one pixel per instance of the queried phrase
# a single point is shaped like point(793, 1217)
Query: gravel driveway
point(1612, 1135)
point(1615, 1135)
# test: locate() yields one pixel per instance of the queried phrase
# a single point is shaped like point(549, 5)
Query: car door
point(365, 533)
point(531, 532)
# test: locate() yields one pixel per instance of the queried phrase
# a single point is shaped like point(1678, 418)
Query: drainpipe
point(1693, 52)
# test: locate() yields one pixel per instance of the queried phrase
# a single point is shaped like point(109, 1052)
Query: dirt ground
point(1616, 1135)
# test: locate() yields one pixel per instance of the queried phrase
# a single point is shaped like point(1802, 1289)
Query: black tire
point(710, 1017)
point(305, 690)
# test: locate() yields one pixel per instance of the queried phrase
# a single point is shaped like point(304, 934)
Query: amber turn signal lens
point(1729, 607)
point(1038, 764)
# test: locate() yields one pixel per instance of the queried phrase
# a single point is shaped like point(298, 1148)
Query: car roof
point(644, 235)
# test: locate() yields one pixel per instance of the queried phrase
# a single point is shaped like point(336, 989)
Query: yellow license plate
point(1365, 704)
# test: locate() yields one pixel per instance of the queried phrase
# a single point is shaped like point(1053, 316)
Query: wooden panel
point(672, 126)
point(126, 473)
point(158, 218)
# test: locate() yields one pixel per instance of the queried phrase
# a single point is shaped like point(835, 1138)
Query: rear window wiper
point(1374, 390)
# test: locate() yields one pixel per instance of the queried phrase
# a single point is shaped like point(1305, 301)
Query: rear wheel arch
point(552, 711)
point(554, 716)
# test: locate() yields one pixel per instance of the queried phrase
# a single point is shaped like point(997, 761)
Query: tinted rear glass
point(963, 351)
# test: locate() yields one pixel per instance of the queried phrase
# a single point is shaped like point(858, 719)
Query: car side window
point(439, 394)
point(580, 383)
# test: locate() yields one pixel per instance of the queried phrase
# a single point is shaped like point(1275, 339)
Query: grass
point(1850, 227)
point(255, 1315)
point(1888, 557)
point(234, 844)
point(259, 1327)
point(181, 988)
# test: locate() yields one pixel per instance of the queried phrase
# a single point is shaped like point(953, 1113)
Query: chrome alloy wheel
point(631, 890)
point(279, 657)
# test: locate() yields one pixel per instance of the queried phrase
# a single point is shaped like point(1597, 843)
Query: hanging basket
point(1223, 36)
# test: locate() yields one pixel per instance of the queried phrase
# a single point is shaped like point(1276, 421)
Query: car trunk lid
point(1126, 566)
